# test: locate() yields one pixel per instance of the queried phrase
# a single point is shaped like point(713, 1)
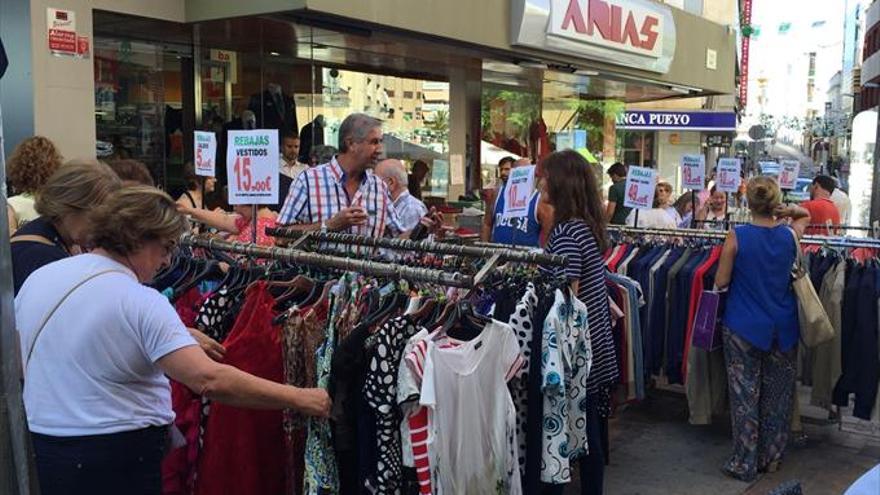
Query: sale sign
point(693, 172)
point(788, 175)
point(206, 153)
point(252, 165)
point(640, 185)
point(518, 192)
point(727, 175)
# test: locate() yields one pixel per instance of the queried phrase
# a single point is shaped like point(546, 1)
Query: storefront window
point(139, 103)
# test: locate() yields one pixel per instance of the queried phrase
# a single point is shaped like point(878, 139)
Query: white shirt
point(843, 204)
point(472, 437)
point(655, 218)
point(292, 170)
point(93, 369)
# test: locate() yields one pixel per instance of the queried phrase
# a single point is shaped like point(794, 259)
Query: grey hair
point(356, 127)
point(394, 168)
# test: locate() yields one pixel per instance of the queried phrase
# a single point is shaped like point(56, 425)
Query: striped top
point(318, 194)
point(574, 239)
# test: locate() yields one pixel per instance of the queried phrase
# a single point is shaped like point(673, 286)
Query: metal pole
point(17, 471)
point(693, 209)
point(254, 225)
point(636, 221)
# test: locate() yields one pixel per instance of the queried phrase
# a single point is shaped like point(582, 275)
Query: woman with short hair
point(97, 345)
point(63, 226)
point(29, 167)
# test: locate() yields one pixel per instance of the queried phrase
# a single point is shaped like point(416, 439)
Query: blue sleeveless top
point(517, 231)
point(761, 305)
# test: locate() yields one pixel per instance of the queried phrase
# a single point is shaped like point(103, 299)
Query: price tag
point(252, 164)
point(518, 192)
point(206, 153)
point(727, 176)
point(640, 185)
point(693, 172)
point(788, 175)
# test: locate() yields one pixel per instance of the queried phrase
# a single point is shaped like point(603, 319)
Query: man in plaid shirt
point(344, 195)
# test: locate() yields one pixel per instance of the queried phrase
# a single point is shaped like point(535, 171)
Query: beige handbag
point(814, 322)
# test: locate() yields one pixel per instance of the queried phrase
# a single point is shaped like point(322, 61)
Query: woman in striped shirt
point(572, 189)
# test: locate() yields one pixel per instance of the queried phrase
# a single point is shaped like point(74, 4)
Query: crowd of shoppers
point(89, 235)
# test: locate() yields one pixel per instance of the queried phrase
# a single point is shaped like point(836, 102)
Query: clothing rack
point(503, 254)
point(813, 225)
point(388, 270)
point(829, 241)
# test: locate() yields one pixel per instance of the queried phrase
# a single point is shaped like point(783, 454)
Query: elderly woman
point(32, 163)
point(97, 345)
point(761, 328)
point(62, 226)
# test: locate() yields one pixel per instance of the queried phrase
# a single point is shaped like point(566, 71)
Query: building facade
point(526, 76)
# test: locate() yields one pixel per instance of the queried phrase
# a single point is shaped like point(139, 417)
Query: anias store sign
point(614, 24)
point(631, 33)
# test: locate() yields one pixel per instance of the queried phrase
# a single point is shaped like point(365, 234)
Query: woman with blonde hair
point(63, 226)
point(761, 328)
point(29, 167)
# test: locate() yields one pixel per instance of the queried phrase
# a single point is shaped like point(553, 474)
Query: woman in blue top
point(760, 328)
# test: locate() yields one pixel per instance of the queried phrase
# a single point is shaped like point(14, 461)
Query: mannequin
point(274, 109)
point(312, 134)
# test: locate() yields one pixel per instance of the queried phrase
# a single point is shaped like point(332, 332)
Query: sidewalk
point(654, 451)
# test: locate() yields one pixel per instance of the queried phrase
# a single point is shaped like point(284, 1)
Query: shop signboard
point(61, 33)
point(788, 174)
point(632, 33)
point(693, 172)
point(252, 166)
point(518, 191)
point(206, 153)
point(727, 175)
point(640, 185)
point(661, 120)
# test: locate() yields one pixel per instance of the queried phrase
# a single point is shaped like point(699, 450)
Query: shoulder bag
point(815, 325)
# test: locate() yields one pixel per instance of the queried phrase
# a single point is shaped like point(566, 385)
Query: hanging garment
point(860, 357)
point(380, 391)
point(473, 416)
point(566, 360)
point(521, 323)
point(826, 356)
point(235, 434)
point(303, 333)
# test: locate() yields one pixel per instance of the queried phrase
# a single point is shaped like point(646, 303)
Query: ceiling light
point(585, 72)
point(275, 54)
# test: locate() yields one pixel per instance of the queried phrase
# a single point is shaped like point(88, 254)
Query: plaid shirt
point(319, 193)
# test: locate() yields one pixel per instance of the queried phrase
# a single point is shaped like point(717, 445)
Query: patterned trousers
point(761, 385)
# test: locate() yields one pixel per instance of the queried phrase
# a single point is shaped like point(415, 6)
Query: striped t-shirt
point(574, 239)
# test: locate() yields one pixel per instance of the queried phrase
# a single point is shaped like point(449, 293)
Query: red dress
point(243, 450)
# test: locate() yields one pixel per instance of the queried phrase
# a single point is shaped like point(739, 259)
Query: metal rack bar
point(505, 254)
point(815, 225)
point(830, 241)
point(322, 260)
